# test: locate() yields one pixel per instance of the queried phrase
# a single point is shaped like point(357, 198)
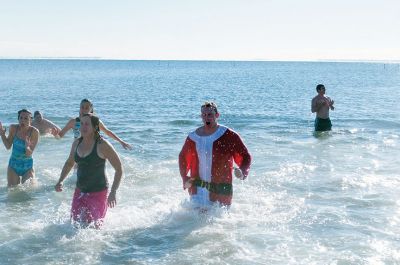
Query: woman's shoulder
point(105, 148)
point(76, 141)
point(13, 127)
point(103, 143)
point(71, 122)
point(34, 129)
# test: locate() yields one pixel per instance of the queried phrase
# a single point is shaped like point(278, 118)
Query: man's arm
point(241, 156)
point(51, 125)
point(185, 162)
point(330, 104)
point(314, 106)
point(51, 128)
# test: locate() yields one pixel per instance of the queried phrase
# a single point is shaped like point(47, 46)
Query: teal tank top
point(76, 129)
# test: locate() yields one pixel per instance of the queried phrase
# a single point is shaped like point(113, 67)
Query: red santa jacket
point(211, 158)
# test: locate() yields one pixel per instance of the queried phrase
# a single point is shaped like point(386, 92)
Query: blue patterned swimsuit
point(20, 162)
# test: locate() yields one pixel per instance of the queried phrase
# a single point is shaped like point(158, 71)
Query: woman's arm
point(67, 166)
point(109, 153)
point(70, 124)
point(115, 137)
point(7, 141)
point(31, 141)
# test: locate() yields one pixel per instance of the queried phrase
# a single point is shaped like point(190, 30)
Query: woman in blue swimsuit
point(86, 107)
point(23, 138)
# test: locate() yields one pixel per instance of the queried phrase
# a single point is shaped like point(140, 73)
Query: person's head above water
point(210, 104)
point(20, 112)
point(209, 113)
point(86, 107)
point(24, 117)
point(90, 124)
point(37, 115)
point(320, 87)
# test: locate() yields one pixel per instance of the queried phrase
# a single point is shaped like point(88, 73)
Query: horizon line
point(202, 60)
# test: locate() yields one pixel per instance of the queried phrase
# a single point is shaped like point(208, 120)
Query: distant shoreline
point(196, 60)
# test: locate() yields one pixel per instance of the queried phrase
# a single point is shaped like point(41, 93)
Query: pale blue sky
point(202, 29)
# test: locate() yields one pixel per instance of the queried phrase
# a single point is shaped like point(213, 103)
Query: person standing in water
point(90, 152)
point(320, 105)
point(23, 139)
point(44, 125)
point(86, 107)
point(208, 153)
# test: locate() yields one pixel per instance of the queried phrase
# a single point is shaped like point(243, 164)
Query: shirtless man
point(321, 104)
point(44, 125)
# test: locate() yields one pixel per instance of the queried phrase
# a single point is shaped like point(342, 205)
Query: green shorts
point(322, 125)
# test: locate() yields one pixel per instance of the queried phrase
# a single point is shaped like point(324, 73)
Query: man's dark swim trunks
point(322, 124)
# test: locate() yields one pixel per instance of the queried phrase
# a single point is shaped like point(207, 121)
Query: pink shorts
point(89, 207)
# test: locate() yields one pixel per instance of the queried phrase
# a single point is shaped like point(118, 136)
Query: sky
point(287, 30)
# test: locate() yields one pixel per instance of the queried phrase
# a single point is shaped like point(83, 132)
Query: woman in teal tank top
point(86, 107)
point(23, 139)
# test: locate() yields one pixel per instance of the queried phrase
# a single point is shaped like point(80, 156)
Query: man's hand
point(54, 131)
point(238, 173)
point(331, 105)
point(188, 183)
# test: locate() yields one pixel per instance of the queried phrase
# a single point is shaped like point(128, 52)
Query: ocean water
point(332, 199)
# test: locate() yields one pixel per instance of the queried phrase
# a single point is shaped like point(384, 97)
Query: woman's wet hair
point(22, 111)
point(210, 104)
point(95, 121)
point(85, 100)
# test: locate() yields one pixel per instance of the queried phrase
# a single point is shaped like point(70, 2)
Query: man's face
point(321, 91)
point(209, 116)
point(38, 117)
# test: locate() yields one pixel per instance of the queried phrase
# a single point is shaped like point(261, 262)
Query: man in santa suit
point(209, 153)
